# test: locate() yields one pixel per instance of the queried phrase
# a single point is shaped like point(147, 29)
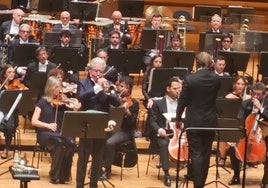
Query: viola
point(256, 145)
point(16, 84)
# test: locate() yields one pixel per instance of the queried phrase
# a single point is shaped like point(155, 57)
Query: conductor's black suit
point(198, 95)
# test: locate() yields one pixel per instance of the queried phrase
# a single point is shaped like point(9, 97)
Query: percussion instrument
point(35, 24)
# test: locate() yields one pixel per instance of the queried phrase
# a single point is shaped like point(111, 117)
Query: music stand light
point(25, 54)
point(131, 8)
point(85, 11)
point(173, 58)
point(205, 11)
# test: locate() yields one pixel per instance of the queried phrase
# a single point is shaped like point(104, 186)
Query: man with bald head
point(11, 27)
point(65, 22)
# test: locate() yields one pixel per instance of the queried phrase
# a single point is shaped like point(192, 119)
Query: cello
point(256, 145)
point(173, 145)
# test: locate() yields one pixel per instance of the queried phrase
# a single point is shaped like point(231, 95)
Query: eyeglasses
point(23, 31)
point(228, 41)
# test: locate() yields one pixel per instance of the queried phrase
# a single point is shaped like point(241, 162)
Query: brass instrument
point(244, 27)
point(181, 29)
point(4, 49)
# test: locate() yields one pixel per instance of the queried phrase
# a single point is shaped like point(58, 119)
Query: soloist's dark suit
point(34, 67)
point(199, 95)
point(91, 101)
point(157, 121)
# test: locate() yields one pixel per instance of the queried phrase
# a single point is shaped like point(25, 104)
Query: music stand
point(38, 82)
point(85, 11)
point(8, 104)
point(235, 61)
point(52, 38)
point(25, 54)
point(149, 38)
point(70, 58)
point(263, 68)
point(205, 11)
point(156, 83)
point(51, 6)
point(256, 41)
point(226, 86)
point(131, 8)
point(236, 12)
point(173, 58)
point(207, 41)
point(126, 61)
point(116, 114)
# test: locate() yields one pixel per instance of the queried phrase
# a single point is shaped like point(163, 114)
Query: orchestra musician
point(128, 126)
point(110, 73)
point(24, 37)
point(118, 26)
point(239, 93)
point(216, 24)
point(41, 65)
point(115, 42)
point(92, 94)
point(156, 62)
point(258, 103)
point(65, 17)
point(156, 22)
point(168, 104)
point(219, 66)
point(47, 118)
point(8, 81)
point(175, 43)
point(198, 96)
point(226, 42)
point(11, 27)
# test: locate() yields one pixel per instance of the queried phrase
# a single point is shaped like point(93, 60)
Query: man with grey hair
point(92, 95)
point(215, 23)
point(198, 97)
point(11, 27)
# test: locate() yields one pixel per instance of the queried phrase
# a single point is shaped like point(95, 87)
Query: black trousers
point(200, 143)
point(86, 147)
point(61, 150)
point(110, 146)
point(163, 152)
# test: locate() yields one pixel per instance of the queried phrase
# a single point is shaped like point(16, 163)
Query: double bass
point(256, 145)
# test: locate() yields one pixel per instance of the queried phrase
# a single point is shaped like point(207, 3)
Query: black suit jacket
point(91, 101)
point(110, 27)
point(33, 67)
point(199, 95)
point(157, 120)
point(210, 31)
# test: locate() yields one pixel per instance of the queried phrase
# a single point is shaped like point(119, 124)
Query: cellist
point(168, 104)
point(257, 104)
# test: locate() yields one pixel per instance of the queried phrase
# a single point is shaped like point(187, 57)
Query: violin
point(16, 85)
point(62, 99)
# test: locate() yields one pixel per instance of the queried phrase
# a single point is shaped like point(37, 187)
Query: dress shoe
point(4, 155)
point(234, 181)
point(106, 175)
point(264, 185)
point(167, 181)
point(53, 181)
